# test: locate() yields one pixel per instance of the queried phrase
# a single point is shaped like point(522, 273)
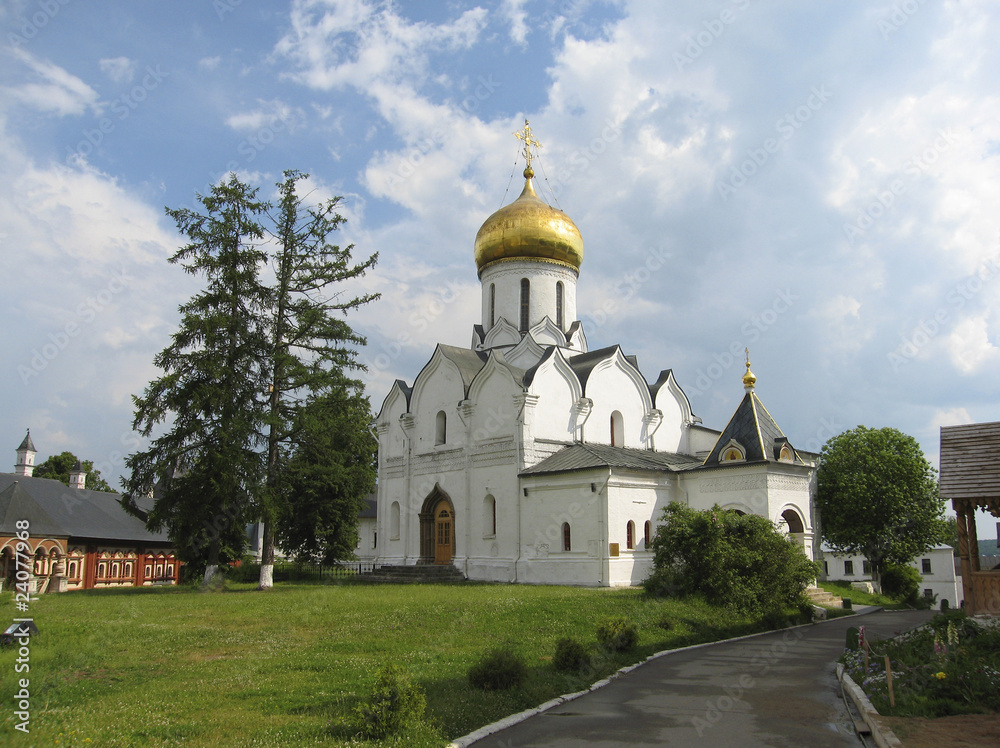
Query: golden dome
point(749, 380)
point(528, 229)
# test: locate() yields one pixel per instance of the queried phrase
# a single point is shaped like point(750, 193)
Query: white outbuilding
point(527, 457)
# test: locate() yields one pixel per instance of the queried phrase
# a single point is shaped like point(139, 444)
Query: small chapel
point(530, 458)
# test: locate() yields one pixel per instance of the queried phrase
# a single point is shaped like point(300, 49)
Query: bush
point(741, 561)
point(570, 655)
point(902, 583)
point(617, 635)
point(395, 704)
point(498, 670)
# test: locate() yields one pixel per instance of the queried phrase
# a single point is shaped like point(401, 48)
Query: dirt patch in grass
point(976, 730)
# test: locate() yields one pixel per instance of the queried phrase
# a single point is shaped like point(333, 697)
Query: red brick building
point(78, 539)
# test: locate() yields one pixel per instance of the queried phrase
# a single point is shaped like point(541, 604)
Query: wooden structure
point(970, 477)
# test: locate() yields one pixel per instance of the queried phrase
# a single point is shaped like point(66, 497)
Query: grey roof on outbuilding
point(55, 509)
point(587, 456)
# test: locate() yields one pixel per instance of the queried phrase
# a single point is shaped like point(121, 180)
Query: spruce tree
point(312, 348)
point(207, 467)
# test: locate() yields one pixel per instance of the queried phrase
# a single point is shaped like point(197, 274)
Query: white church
point(530, 458)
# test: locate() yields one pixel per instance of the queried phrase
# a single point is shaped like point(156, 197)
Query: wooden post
point(888, 679)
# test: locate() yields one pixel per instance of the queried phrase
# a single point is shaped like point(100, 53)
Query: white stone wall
point(506, 276)
point(941, 580)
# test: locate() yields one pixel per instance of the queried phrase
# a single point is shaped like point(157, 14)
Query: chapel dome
point(529, 229)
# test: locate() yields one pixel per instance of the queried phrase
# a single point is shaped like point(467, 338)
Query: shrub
point(395, 704)
point(570, 655)
point(902, 583)
point(617, 634)
point(498, 670)
point(739, 561)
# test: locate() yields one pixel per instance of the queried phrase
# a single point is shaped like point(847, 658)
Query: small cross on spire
point(525, 136)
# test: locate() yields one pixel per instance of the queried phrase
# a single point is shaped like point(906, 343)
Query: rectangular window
point(849, 568)
point(925, 565)
point(826, 569)
point(866, 567)
point(928, 592)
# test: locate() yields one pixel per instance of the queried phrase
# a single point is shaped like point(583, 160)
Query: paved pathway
point(779, 689)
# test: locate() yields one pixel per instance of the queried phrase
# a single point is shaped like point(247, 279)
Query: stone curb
point(884, 737)
point(513, 719)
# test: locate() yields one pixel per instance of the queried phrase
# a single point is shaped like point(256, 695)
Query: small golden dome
point(749, 380)
point(528, 229)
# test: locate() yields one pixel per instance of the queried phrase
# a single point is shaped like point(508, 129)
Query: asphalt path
point(776, 689)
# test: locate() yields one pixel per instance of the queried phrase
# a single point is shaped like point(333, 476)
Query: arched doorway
point(444, 531)
point(437, 528)
point(796, 528)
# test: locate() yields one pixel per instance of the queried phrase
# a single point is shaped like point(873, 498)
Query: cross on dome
point(525, 136)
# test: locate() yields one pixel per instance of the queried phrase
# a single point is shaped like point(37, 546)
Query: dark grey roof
point(584, 363)
point(468, 362)
point(64, 511)
point(585, 456)
point(370, 507)
point(27, 443)
point(754, 429)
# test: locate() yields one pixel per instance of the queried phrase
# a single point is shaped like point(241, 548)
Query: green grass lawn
point(860, 598)
point(169, 666)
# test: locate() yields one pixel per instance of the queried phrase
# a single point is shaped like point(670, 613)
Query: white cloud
point(970, 346)
point(274, 114)
point(52, 89)
point(351, 42)
point(514, 12)
point(209, 63)
point(118, 69)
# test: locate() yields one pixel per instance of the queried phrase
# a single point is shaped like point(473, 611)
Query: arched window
point(645, 534)
point(489, 516)
point(493, 304)
point(567, 542)
point(630, 535)
point(525, 298)
point(441, 428)
point(394, 521)
point(617, 430)
point(786, 454)
point(559, 305)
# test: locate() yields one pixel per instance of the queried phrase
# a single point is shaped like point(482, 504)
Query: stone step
point(818, 596)
point(426, 573)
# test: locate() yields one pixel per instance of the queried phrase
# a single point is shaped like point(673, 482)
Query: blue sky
point(809, 180)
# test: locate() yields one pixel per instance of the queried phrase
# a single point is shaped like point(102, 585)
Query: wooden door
point(444, 525)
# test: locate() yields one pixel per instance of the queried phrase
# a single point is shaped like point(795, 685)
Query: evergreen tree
point(311, 349)
point(208, 466)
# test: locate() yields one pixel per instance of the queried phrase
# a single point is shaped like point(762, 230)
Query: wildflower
point(940, 675)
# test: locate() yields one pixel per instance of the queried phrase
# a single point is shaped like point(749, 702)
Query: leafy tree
point(208, 465)
point(58, 467)
point(311, 348)
point(877, 497)
point(741, 561)
point(948, 533)
point(327, 477)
